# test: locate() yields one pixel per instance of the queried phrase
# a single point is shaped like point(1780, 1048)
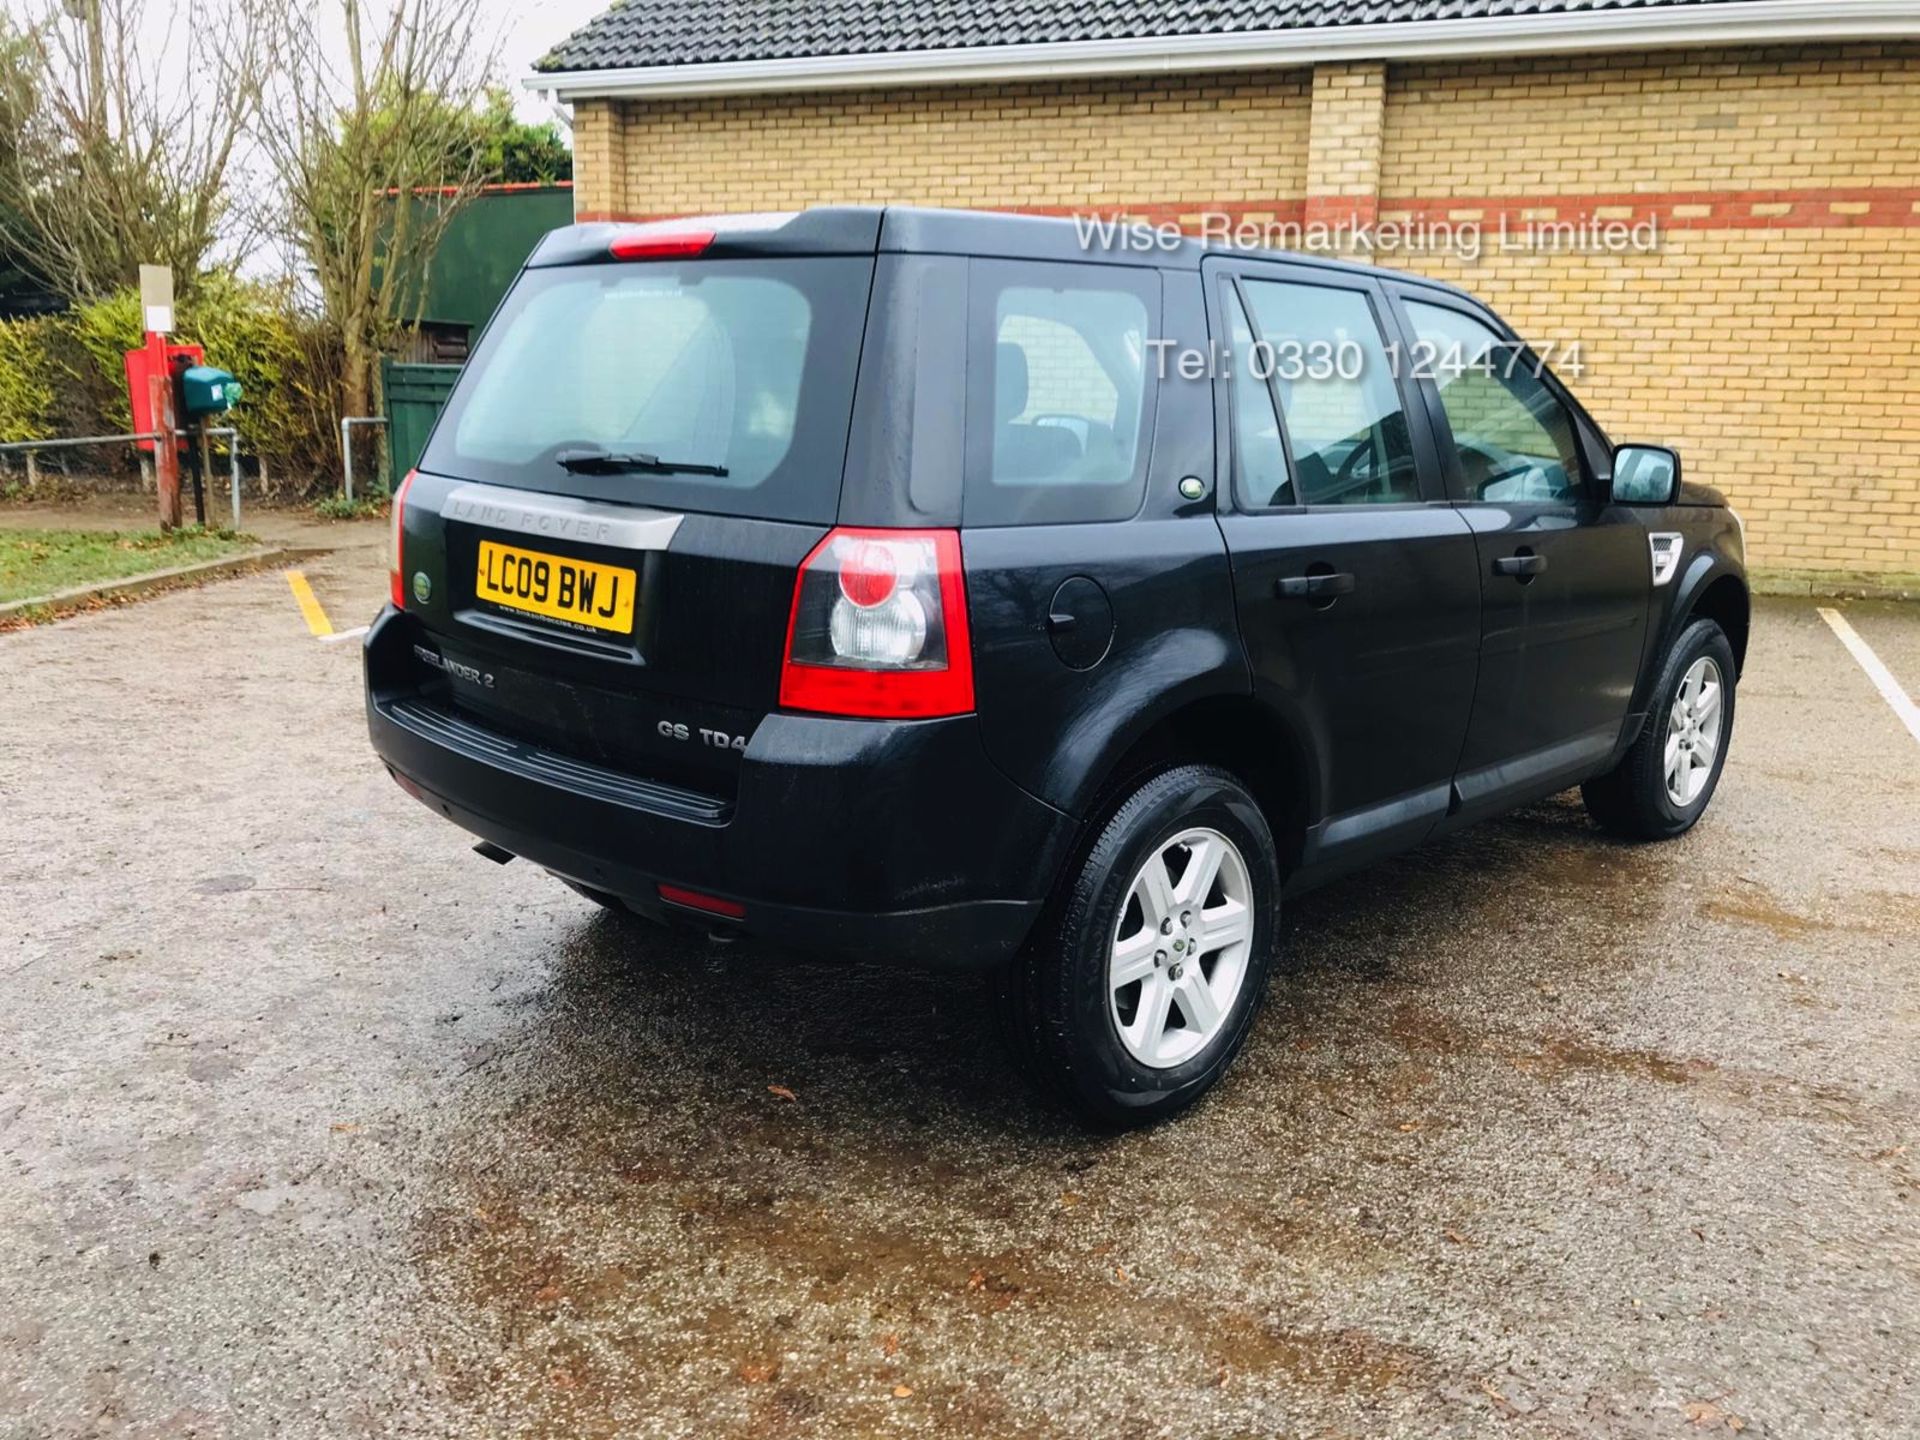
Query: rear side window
point(1259, 454)
point(1322, 346)
point(743, 366)
point(1059, 391)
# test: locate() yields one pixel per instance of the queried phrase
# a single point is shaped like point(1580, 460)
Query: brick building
point(1769, 148)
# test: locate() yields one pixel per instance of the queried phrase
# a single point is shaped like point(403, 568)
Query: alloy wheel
point(1180, 948)
point(1693, 732)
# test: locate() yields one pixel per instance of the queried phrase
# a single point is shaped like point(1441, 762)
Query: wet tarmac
point(314, 1123)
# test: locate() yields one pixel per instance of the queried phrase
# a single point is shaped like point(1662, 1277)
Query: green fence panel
point(415, 396)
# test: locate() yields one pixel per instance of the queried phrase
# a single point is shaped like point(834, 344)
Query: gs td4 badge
point(718, 739)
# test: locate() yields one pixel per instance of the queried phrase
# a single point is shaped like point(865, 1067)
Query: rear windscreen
point(743, 366)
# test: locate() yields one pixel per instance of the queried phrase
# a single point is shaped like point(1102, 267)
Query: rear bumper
point(871, 839)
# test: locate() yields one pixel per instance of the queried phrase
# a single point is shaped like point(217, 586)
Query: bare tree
point(107, 163)
point(369, 129)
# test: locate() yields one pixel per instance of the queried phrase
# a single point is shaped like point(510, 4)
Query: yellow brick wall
point(1774, 335)
point(1084, 143)
point(1686, 120)
point(599, 165)
point(1784, 363)
point(1344, 145)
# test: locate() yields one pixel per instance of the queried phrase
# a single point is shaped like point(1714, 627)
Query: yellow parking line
point(309, 603)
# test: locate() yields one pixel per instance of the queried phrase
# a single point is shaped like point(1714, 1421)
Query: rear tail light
point(399, 542)
point(879, 627)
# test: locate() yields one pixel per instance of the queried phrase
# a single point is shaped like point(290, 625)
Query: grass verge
point(338, 507)
point(40, 562)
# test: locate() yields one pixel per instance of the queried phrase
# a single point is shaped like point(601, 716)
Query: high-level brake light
point(650, 244)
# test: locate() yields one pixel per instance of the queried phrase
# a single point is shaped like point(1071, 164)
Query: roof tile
point(651, 33)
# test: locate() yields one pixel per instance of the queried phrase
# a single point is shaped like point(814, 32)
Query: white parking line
point(341, 635)
point(1877, 671)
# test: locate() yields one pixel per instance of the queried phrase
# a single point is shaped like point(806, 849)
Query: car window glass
point(1514, 439)
point(1259, 457)
point(1351, 445)
point(738, 365)
point(1069, 380)
point(708, 372)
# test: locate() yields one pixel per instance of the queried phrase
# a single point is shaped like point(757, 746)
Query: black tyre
point(1664, 783)
point(1138, 990)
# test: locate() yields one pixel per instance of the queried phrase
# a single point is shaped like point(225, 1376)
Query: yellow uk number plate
point(578, 592)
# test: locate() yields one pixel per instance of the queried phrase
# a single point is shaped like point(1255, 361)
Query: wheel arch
point(1241, 735)
point(1723, 599)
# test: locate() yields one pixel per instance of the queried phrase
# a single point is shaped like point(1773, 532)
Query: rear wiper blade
point(601, 462)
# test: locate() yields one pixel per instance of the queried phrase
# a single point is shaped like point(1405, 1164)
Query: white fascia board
point(1744, 22)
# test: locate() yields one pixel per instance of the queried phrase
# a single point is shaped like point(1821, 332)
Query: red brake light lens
point(879, 627)
point(662, 244)
point(869, 575)
point(398, 552)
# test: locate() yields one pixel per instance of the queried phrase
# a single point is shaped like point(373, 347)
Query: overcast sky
point(527, 29)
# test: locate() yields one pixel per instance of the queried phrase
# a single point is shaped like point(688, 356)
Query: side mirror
point(1645, 475)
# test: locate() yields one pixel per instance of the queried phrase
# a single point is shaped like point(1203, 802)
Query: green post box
point(207, 391)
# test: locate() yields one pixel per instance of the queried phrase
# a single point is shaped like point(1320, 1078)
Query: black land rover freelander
point(937, 588)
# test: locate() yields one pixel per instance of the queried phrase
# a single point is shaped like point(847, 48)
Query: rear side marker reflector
point(707, 904)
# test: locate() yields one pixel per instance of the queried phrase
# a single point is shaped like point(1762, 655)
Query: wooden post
point(166, 450)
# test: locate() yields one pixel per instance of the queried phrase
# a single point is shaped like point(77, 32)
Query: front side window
point(1514, 439)
point(1337, 392)
point(1060, 380)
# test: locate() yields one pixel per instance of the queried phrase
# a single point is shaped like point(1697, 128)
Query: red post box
point(157, 357)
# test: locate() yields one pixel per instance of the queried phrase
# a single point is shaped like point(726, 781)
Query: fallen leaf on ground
point(546, 1295)
point(1505, 1406)
point(343, 1127)
point(901, 1392)
point(1456, 1237)
point(758, 1373)
point(782, 1092)
point(977, 1280)
point(890, 1346)
point(1706, 1415)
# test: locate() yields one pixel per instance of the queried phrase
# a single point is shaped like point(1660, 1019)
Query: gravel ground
point(314, 1123)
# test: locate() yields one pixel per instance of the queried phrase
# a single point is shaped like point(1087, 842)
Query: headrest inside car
point(1009, 381)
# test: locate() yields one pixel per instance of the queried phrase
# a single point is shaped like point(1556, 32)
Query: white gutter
point(1727, 22)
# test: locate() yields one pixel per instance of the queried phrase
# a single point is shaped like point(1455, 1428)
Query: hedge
point(29, 381)
point(64, 374)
